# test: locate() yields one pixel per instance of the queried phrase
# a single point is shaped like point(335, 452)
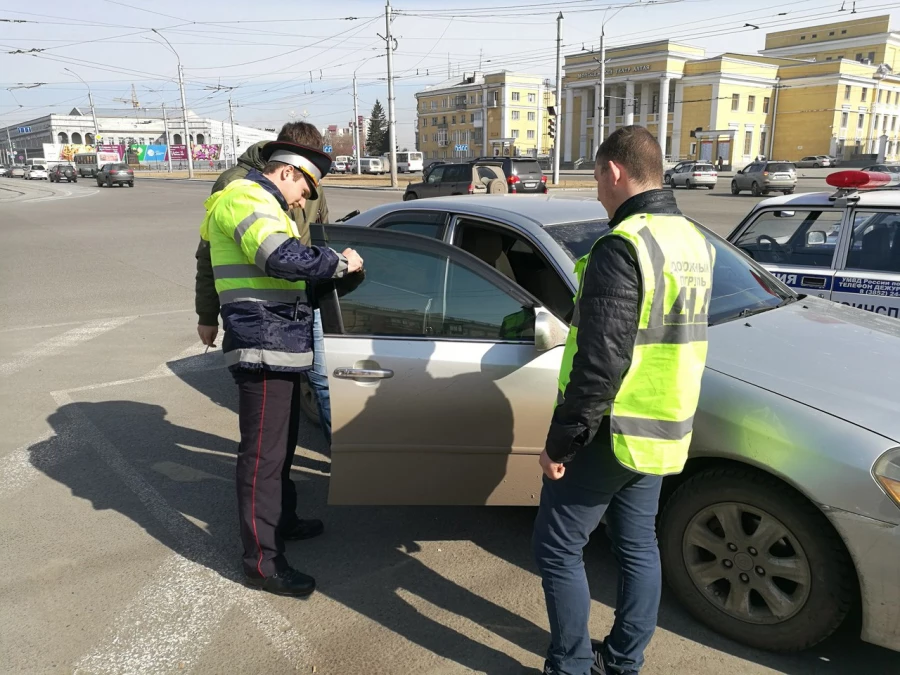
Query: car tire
point(754, 190)
point(788, 192)
point(711, 186)
point(308, 402)
point(667, 179)
point(809, 549)
point(734, 188)
point(131, 183)
point(409, 196)
point(109, 182)
point(816, 165)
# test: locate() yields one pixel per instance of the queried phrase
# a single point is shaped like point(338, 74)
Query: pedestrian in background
point(261, 268)
point(628, 389)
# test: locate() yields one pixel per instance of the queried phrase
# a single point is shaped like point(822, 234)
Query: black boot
point(287, 582)
point(302, 529)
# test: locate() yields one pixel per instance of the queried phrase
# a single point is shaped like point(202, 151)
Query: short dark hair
point(637, 151)
point(272, 166)
point(301, 133)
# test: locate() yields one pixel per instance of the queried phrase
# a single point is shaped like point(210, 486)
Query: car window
point(457, 172)
point(703, 167)
point(527, 168)
point(578, 238)
point(779, 167)
point(516, 258)
point(38, 167)
point(805, 237)
point(436, 174)
point(410, 292)
point(488, 173)
point(875, 241)
point(424, 223)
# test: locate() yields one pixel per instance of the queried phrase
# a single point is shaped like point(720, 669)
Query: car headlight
point(887, 472)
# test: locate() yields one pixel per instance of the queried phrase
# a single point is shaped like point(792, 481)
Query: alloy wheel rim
point(747, 563)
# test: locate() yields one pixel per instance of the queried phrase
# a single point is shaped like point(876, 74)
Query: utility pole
point(392, 121)
point(559, 128)
point(90, 100)
point(356, 126)
point(233, 144)
point(168, 145)
point(10, 155)
point(187, 133)
point(601, 128)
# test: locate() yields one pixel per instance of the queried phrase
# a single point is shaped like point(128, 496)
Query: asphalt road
point(117, 510)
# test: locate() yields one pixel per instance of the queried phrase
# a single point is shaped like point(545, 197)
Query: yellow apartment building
point(819, 90)
point(500, 114)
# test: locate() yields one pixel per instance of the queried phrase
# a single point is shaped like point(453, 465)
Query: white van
point(374, 165)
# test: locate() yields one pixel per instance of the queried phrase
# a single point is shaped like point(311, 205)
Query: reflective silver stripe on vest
point(641, 427)
point(268, 246)
point(245, 271)
point(247, 223)
point(672, 334)
point(286, 295)
point(268, 357)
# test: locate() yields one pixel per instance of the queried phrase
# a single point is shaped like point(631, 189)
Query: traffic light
point(551, 127)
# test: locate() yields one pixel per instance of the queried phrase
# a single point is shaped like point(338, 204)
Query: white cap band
point(298, 161)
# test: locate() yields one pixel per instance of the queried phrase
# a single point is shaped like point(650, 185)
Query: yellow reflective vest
point(651, 418)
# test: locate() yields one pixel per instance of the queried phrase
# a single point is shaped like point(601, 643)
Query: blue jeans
point(571, 509)
point(318, 376)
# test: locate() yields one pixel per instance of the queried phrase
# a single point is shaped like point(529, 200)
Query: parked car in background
point(4, 171)
point(667, 176)
point(17, 171)
point(523, 174)
point(835, 161)
point(694, 174)
point(63, 172)
point(115, 174)
point(842, 245)
point(787, 514)
point(883, 168)
point(468, 178)
point(371, 165)
point(339, 167)
point(35, 172)
point(761, 178)
point(813, 162)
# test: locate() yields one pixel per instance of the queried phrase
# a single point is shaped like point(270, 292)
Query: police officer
point(628, 389)
point(261, 269)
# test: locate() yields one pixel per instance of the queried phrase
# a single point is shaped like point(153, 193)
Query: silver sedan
point(444, 361)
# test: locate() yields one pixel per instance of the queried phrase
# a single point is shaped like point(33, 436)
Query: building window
point(453, 120)
point(76, 138)
point(897, 98)
point(531, 116)
point(693, 150)
point(802, 37)
point(828, 58)
point(894, 123)
point(844, 119)
point(424, 138)
point(751, 104)
point(847, 90)
point(884, 125)
point(748, 142)
point(865, 94)
point(481, 98)
point(530, 134)
point(880, 92)
point(201, 139)
point(434, 105)
point(831, 33)
point(443, 119)
point(62, 137)
point(515, 115)
point(872, 57)
point(514, 133)
point(176, 139)
point(766, 105)
point(621, 106)
point(532, 98)
point(815, 35)
point(844, 32)
point(89, 139)
point(859, 121)
point(515, 96)
point(762, 142)
point(859, 56)
point(637, 105)
point(472, 99)
point(735, 102)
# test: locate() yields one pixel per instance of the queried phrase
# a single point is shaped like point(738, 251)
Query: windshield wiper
point(747, 312)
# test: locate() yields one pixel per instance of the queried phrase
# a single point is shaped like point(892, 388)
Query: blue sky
point(297, 58)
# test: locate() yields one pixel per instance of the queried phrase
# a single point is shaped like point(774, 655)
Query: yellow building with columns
point(819, 90)
point(495, 114)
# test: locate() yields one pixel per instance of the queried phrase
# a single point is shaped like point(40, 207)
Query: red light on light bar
point(860, 180)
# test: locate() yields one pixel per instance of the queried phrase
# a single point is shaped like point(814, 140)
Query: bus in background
point(87, 164)
point(407, 162)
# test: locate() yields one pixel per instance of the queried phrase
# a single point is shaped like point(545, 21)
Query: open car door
point(442, 374)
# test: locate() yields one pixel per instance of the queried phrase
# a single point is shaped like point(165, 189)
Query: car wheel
point(109, 182)
point(734, 188)
point(131, 183)
point(667, 179)
point(816, 165)
point(710, 186)
point(754, 190)
point(754, 560)
point(409, 196)
point(689, 185)
point(308, 402)
point(788, 192)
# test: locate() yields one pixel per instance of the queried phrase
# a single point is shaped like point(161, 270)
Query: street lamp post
point(91, 100)
point(187, 133)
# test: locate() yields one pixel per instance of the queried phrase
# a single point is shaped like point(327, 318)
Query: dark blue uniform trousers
point(571, 509)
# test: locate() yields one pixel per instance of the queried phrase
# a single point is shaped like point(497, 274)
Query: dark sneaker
point(287, 582)
point(302, 529)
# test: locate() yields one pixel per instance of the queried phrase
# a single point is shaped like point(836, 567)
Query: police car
point(842, 245)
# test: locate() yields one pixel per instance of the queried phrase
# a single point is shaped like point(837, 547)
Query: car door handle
point(362, 374)
point(813, 282)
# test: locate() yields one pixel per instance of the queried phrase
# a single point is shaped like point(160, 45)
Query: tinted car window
point(797, 237)
point(414, 293)
point(526, 169)
point(779, 167)
point(436, 174)
point(424, 223)
point(578, 238)
point(875, 242)
point(456, 173)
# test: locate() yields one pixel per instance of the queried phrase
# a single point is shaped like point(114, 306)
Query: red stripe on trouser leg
point(262, 419)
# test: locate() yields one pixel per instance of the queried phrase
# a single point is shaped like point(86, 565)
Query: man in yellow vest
point(628, 390)
point(261, 269)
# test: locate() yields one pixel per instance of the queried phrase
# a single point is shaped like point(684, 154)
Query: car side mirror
point(549, 332)
point(815, 238)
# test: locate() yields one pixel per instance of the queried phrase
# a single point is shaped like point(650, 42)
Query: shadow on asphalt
point(364, 559)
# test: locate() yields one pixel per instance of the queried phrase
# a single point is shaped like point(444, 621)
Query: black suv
point(523, 174)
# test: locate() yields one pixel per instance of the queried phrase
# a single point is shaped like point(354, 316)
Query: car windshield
point(740, 286)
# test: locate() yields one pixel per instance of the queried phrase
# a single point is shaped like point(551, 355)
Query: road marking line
point(55, 345)
point(173, 619)
point(17, 469)
point(78, 323)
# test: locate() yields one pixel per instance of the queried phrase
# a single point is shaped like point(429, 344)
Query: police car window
point(875, 241)
point(424, 223)
point(407, 292)
point(805, 237)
